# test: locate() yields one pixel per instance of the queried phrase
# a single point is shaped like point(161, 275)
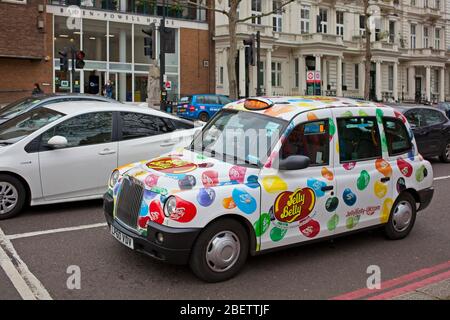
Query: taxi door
point(362, 169)
point(298, 204)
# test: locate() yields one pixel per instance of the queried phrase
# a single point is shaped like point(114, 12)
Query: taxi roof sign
point(257, 104)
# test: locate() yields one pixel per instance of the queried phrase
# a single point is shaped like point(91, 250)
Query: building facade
point(110, 34)
point(409, 41)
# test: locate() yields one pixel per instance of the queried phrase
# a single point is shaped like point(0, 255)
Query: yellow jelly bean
point(274, 184)
point(386, 210)
point(380, 189)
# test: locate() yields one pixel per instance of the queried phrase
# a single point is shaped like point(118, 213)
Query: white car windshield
point(23, 125)
point(240, 137)
point(13, 109)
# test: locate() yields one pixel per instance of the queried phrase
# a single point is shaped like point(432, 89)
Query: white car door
point(82, 167)
point(147, 136)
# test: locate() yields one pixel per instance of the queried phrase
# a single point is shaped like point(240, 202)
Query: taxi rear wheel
point(12, 196)
point(402, 217)
point(220, 251)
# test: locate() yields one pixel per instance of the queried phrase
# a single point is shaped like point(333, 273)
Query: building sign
point(127, 18)
point(313, 77)
point(168, 85)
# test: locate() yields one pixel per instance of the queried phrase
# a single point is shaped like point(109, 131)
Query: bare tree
point(233, 21)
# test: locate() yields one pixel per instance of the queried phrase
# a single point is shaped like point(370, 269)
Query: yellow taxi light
point(255, 104)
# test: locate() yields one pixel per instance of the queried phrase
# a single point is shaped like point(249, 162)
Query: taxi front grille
point(129, 201)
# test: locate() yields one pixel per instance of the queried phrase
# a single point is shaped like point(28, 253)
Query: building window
point(277, 16)
point(356, 76)
point(362, 25)
point(221, 75)
point(425, 37)
point(16, 1)
point(413, 36)
point(276, 74)
point(296, 71)
point(391, 78)
point(413, 3)
point(261, 72)
point(437, 38)
point(340, 23)
point(323, 18)
point(256, 10)
point(304, 19)
point(438, 4)
point(391, 31)
point(436, 80)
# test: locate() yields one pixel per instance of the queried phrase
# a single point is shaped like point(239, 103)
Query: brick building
point(110, 34)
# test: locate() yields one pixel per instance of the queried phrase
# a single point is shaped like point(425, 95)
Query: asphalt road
point(318, 271)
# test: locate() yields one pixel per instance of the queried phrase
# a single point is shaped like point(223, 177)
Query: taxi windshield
point(239, 137)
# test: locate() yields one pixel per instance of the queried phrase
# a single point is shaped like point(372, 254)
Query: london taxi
point(268, 173)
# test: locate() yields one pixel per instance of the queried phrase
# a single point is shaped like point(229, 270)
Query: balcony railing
point(144, 7)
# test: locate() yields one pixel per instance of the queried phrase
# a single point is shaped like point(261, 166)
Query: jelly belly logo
point(294, 206)
point(171, 165)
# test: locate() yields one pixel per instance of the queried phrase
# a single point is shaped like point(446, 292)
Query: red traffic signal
point(79, 56)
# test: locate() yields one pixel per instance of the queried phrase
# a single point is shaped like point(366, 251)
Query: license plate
point(122, 238)
point(182, 110)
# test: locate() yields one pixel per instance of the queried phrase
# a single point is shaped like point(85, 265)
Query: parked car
point(201, 106)
point(23, 105)
point(66, 151)
point(444, 106)
point(321, 167)
point(431, 128)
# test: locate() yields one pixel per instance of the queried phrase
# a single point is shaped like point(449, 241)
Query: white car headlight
point(114, 178)
point(170, 206)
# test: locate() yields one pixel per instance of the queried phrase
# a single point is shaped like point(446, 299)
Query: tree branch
point(283, 4)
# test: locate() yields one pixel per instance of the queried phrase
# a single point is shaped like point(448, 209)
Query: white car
point(66, 151)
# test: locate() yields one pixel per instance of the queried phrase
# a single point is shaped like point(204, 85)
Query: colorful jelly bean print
point(421, 173)
point(244, 201)
point(363, 180)
point(228, 203)
point(262, 224)
point(237, 173)
point(405, 168)
point(380, 189)
point(349, 165)
point(210, 178)
point(333, 222)
point(274, 184)
point(185, 211)
point(309, 227)
point(331, 204)
point(317, 186)
point(327, 174)
point(188, 182)
point(349, 197)
point(386, 210)
point(277, 234)
point(401, 185)
point(383, 167)
point(206, 196)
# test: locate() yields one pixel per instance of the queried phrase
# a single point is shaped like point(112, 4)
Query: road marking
point(38, 233)
point(26, 284)
point(411, 287)
point(358, 294)
point(442, 178)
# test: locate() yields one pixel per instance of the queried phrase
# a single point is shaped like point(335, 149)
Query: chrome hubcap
point(223, 251)
point(402, 216)
point(8, 197)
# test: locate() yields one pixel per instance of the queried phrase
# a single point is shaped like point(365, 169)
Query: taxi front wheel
point(402, 217)
point(220, 251)
point(12, 196)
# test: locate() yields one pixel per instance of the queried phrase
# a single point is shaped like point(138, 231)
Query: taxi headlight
point(114, 178)
point(170, 206)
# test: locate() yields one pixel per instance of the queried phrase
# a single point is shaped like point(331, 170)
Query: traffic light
point(250, 50)
point(63, 61)
point(150, 42)
point(79, 56)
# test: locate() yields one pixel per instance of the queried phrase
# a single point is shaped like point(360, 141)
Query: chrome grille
point(129, 201)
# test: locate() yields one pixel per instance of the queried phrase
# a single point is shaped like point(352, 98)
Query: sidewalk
point(435, 291)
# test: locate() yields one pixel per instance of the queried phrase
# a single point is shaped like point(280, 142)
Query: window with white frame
point(426, 37)
point(413, 36)
point(391, 31)
point(356, 75)
point(436, 81)
point(276, 74)
point(390, 78)
point(220, 75)
point(323, 15)
point(438, 4)
point(437, 38)
point(261, 72)
point(277, 16)
point(305, 19)
point(296, 71)
point(340, 23)
point(256, 11)
point(343, 77)
point(362, 25)
point(413, 3)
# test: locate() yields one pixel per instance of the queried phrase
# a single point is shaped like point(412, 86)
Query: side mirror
point(294, 163)
point(57, 142)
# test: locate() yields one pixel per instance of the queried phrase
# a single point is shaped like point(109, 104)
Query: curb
point(436, 291)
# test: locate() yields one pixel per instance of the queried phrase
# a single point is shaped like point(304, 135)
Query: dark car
point(23, 105)
point(201, 106)
point(444, 106)
point(431, 128)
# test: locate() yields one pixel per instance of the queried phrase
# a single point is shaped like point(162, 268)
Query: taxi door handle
point(327, 188)
point(106, 151)
point(385, 179)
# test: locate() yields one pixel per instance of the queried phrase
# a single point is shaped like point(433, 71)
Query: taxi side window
point(359, 139)
point(397, 136)
point(309, 139)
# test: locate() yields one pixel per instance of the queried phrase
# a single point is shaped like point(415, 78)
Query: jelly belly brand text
point(294, 206)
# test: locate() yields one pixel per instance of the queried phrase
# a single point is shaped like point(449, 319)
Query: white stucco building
point(410, 48)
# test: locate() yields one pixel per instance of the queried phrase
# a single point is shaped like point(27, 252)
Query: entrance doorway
point(418, 92)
